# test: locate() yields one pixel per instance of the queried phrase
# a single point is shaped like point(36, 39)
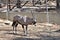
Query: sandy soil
point(42, 31)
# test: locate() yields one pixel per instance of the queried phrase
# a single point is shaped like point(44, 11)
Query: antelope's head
point(34, 21)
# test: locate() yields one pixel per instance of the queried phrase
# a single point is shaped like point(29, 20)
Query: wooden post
point(47, 11)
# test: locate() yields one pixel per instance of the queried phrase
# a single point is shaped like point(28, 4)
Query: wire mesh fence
point(40, 13)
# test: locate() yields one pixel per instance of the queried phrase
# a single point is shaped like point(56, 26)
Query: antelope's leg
point(23, 28)
point(13, 24)
point(16, 27)
point(13, 29)
point(26, 28)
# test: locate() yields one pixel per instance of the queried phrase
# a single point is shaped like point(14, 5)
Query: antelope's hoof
point(15, 33)
point(25, 34)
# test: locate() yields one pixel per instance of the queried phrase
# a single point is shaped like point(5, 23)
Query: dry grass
point(43, 31)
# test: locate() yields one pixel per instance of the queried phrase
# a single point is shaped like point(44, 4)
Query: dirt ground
point(42, 31)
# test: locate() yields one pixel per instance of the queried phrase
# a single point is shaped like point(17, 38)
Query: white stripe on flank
point(24, 18)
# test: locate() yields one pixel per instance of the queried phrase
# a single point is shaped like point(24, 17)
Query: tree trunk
point(9, 6)
point(57, 3)
point(18, 4)
point(33, 3)
point(0, 3)
point(0, 6)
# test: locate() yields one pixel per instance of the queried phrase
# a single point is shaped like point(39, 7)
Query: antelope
point(24, 21)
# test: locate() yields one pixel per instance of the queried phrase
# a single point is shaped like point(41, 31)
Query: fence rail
point(54, 17)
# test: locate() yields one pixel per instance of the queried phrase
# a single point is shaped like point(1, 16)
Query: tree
point(0, 4)
point(57, 3)
point(18, 4)
point(9, 6)
point(33, 2)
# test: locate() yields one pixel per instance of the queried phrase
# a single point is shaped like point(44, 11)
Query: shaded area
point(26, 38)
point(34, 33)
point(57, 30)
point(42, 37)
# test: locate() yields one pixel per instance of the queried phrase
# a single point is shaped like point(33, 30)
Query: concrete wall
point(41, 17)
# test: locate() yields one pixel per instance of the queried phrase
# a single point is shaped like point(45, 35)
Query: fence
point(54, 17)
